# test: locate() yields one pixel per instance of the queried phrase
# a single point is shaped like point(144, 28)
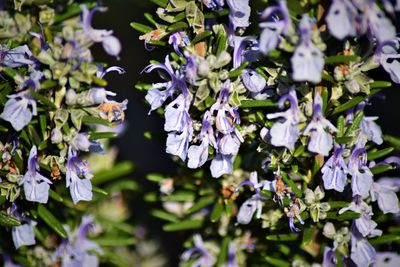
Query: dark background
point(149, 155)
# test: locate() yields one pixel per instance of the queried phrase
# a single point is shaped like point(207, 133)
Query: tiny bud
point(56, 136)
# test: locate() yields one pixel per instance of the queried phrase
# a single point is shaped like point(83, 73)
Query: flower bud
point(56, 136)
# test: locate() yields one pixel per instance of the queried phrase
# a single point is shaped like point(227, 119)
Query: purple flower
point(361, 176)
point(81, 142)
point(329, 257)
point(248, 208)
point(36, 186)
point(232, 260)
point(77, 250)
point(22, 235)
point(239, 13)
point(387, 259)
point(7, 260)
point(178, 143)
point(321, 141)
point(221, 164)
point(17, 111)
point(214, 4)
point(176, 114)
point(243, 48)
point(307, 60)
point(178, 39)
point(226, 114)
point(286, 133)
point(253, 81)
point(371, 129)
point(16, 57)
point(155, 97)
point(334, 172)
point(78, 177)
point(341, 19)
point(198, 154)
point(110, 44)
point(274, 27)
point(386, 197)
point(389, 58)
point(362, 253)
point(199, 252)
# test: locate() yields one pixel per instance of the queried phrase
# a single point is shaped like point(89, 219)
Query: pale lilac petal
point(361, 182)
point(81, 189)
point(387, 259)
point(253, 81)
point(111, 45)
point(246, 211)
point(229, 145)
point(221, 164)
point(307, 63)
point(320, 142)
point(178, 143)
point(17, 113)
point(372, 130)
point(341, 19)
point(197, 155)
point(23, 235)
point(239, 13)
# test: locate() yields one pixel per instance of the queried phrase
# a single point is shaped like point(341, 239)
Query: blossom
point(80, 189)
point(275, 27)
point(334, 171)
point(286, 133)
point(239, 13)
point(361, 176)
point(198, 251)
point(387, 259)
point(198, 154)
point(253, 81)
point(371, 129)
point(178, 143)
point(36, 186)
point(362, 252)
point(341, 19)
point(249, 207)
point(214, 4)
point(17, 111)
point(321, 142)
point(221, 164)
point(7, 260)
point(386, 197)
point(77, 250)
point(292, 213)
point(232, 260)
point(81, 142)
point(329, 257)
point(110, 43)
point(16, 57)
point(307, 60)
point(240, 44)
point(387, 55)
point(178, 39)
point(22, 235)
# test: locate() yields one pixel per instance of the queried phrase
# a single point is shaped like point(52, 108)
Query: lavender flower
point(178, 39)
point(198, 251)
point(214, 4)
point(307, 60)
point(77, 250)
point(253, 81)
point(7, 260)
point(361, 176)
point(274, 28)
point(329, 257)
point(240, 44)
point(36, 186)
point(22, 235)
point(17, 112)
point(16, 57)
point(321, 142)
point(80, 189)
point(334, 172)
point(198, 154)
point(389, 58)
point(249, 207)
point(286, 133)
point(239, 13)
point(232, 256)
point(387, 259)
point(221, 164)
point(292, 213)
point(371, 129)
point(341, 19)
point(362, 253)
point(386, 197)
point(110, 43)
point(81, 142)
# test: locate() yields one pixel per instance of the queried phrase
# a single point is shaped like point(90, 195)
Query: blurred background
point(149, 155)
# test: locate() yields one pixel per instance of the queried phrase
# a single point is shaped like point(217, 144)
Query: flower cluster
point(285, 100)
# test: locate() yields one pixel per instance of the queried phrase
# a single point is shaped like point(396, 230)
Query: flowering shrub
point(56, 193)
point(269, 98)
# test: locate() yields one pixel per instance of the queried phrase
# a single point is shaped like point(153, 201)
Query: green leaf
point(283, 237)
point(348, 215)
point(380, 84)
point(327, 77)
point(177, 26)
point(8, 221)
point(257, 103)
point(278, 262)
point(54, 195)
point(99, 190)
point(157, 43)
point(201, 36)
point(343, 140)
point(73, 10)
point(341, 59)
point(308, 234)
point(114, 242)
point(380, 153)
point(51, 221)
point(185, 225)
point(221, 43)
point(349, 104)
point(341, 122)
point(393, 141)
point(48, 84)
point(43, 125)
point(180, 196)
point(381, 169)
point(164, 216)
point(95, 120)
point(236, 72)
point(217, 212)
point(122, 185)
point(155, 177)
point(201, 203)
point(292, 185)
point(216, 14)
point(161, 3)
point(223, 255)
point(102, 135)
point(42, 99)
point(355, 124)
point(385, 239)
point(338, 204)
point(117, 171)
